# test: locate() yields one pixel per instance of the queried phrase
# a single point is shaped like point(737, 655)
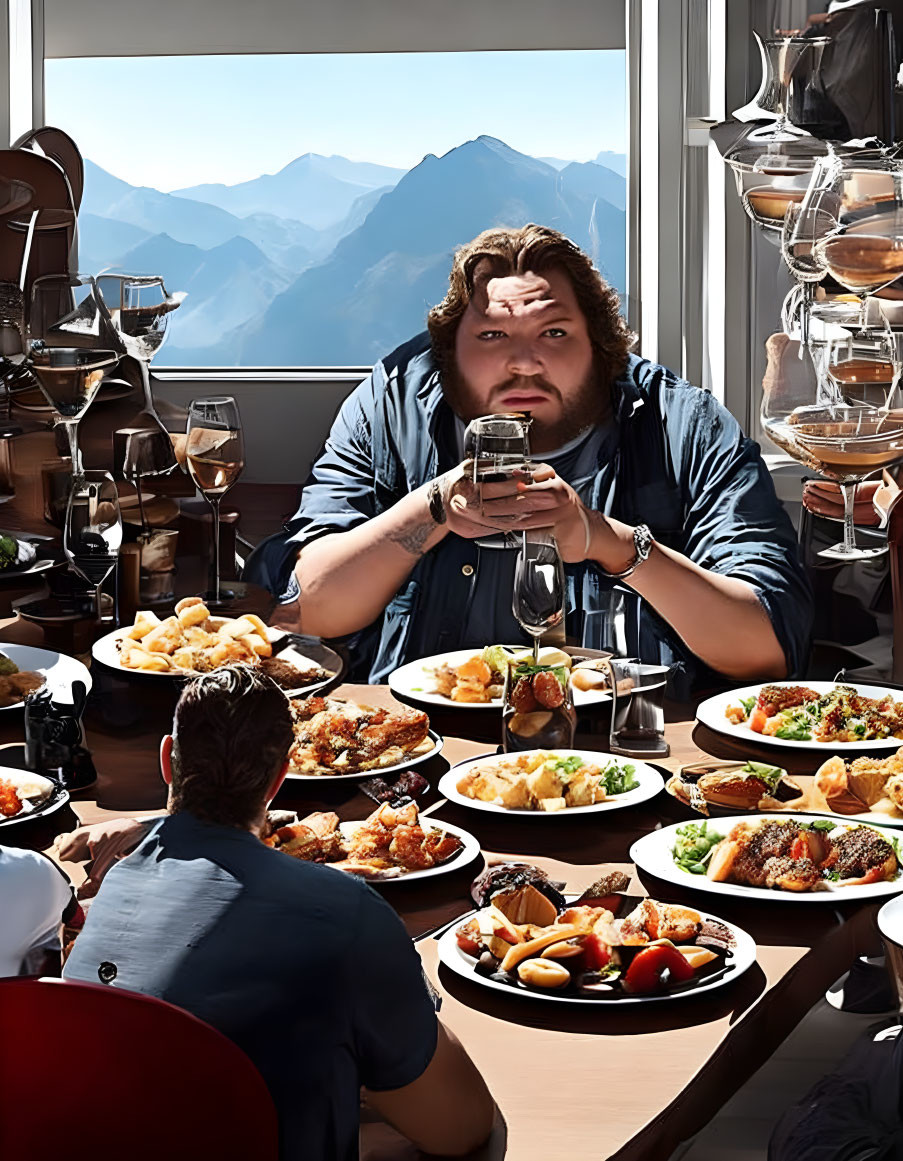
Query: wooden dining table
point(571, 1082)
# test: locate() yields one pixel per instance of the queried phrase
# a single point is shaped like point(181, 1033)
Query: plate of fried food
point(602, 947)
point(25, 796)
point(475, 678)
point(550, 782)
point(338, 738)
point(793, 858)
point(802, 717)
point(194, 640)
point(392, 843)
point(24, 669)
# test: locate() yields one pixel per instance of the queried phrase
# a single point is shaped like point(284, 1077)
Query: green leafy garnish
point(618, 779)
point(694, 846)
point(770, 775)
point(748, 703)
point(795, 732)
point(823, 824)
point(565, 766)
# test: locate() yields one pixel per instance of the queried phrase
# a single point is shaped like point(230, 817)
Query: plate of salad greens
point(550, 783)
point(808, 715)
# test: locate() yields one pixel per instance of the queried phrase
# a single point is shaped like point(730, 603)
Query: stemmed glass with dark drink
point(92, 533)
point(215, 451)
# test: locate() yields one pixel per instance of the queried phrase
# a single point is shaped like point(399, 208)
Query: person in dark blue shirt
point(304, 967)
point(646, 481)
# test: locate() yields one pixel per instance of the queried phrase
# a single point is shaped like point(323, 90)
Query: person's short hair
point(232, 731)
point(507, 251)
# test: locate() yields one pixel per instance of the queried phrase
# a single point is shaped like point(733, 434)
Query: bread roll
point(832, 780)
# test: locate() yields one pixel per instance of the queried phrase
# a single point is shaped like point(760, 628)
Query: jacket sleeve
point(340, 492)
point(734, 522)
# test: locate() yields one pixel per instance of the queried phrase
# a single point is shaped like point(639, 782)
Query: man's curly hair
point(502, 251)
point(231, 734)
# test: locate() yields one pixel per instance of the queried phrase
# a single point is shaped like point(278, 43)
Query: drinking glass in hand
point(215, 452)
point(499, 448)
point(538, 598)
point(92, 533)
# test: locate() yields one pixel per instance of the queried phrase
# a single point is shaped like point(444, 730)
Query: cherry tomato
point(522, 696)
point(644, 976)
point(757, 720)
point(596, 952)
point(547, 690)
point(467, 940)
point(800, 847)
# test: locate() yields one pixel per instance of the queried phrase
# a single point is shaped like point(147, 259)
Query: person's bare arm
point(348, 578)
point(447, 1110)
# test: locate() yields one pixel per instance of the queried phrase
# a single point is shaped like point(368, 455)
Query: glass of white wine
point(215, 458)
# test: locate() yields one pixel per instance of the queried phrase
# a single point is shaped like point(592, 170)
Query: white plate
point(415, 682)
point(59, 670)
point(466, 854)
point(379, 771)
point(59, 796)
point(711, 714)
point(650, 784)
point(737, 961)
point(652, 853)
point(105, 650)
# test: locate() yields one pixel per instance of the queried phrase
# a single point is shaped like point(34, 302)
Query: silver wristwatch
point(642, 543)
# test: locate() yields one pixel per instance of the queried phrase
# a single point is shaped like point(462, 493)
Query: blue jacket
point(674, 459)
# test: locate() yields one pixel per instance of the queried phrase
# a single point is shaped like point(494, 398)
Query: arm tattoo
point(413, 539)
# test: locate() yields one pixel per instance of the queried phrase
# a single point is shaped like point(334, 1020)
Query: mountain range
point(267, 286)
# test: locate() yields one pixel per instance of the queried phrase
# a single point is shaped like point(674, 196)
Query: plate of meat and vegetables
point(792, 716)
point(794, 858)
point(603, 947)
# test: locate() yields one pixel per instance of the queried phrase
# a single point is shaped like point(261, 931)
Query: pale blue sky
point(170, 122)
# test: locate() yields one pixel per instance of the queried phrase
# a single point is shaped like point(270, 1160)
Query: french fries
point(191, 641)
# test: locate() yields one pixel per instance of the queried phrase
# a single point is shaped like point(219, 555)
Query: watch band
point(642, 543)
point(436, 503)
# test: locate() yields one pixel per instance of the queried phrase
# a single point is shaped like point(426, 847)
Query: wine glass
point(538, 598)
point(863, 368)
point(92, 533)
point(140, 307)
point(838, 435)
point(499, 448)
point(863, 250)
point(803, 225)
point(215, 457)
point(69, 378)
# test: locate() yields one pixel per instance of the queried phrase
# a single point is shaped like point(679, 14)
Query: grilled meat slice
point(862, 853)
point(773, 699)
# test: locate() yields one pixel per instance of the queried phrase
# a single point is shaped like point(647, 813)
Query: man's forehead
point(523, 294)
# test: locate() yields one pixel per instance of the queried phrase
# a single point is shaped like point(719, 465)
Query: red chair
point(90, 1073)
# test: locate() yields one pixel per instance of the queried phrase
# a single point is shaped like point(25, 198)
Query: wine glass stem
point(535, 650)
point(214, 504)
point(863, 313)
point(98, 608)
point(849, 534)
point(805, 304)
point(74, 454)
point(146, 385)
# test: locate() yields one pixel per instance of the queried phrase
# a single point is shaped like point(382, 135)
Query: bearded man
point(645, 481)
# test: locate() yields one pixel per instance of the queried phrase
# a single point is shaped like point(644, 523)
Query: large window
point(310, 205)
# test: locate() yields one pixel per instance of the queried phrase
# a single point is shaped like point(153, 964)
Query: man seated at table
point(306, 968)
point(643, 479)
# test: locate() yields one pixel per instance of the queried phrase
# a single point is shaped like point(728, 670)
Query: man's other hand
point(541, 500)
